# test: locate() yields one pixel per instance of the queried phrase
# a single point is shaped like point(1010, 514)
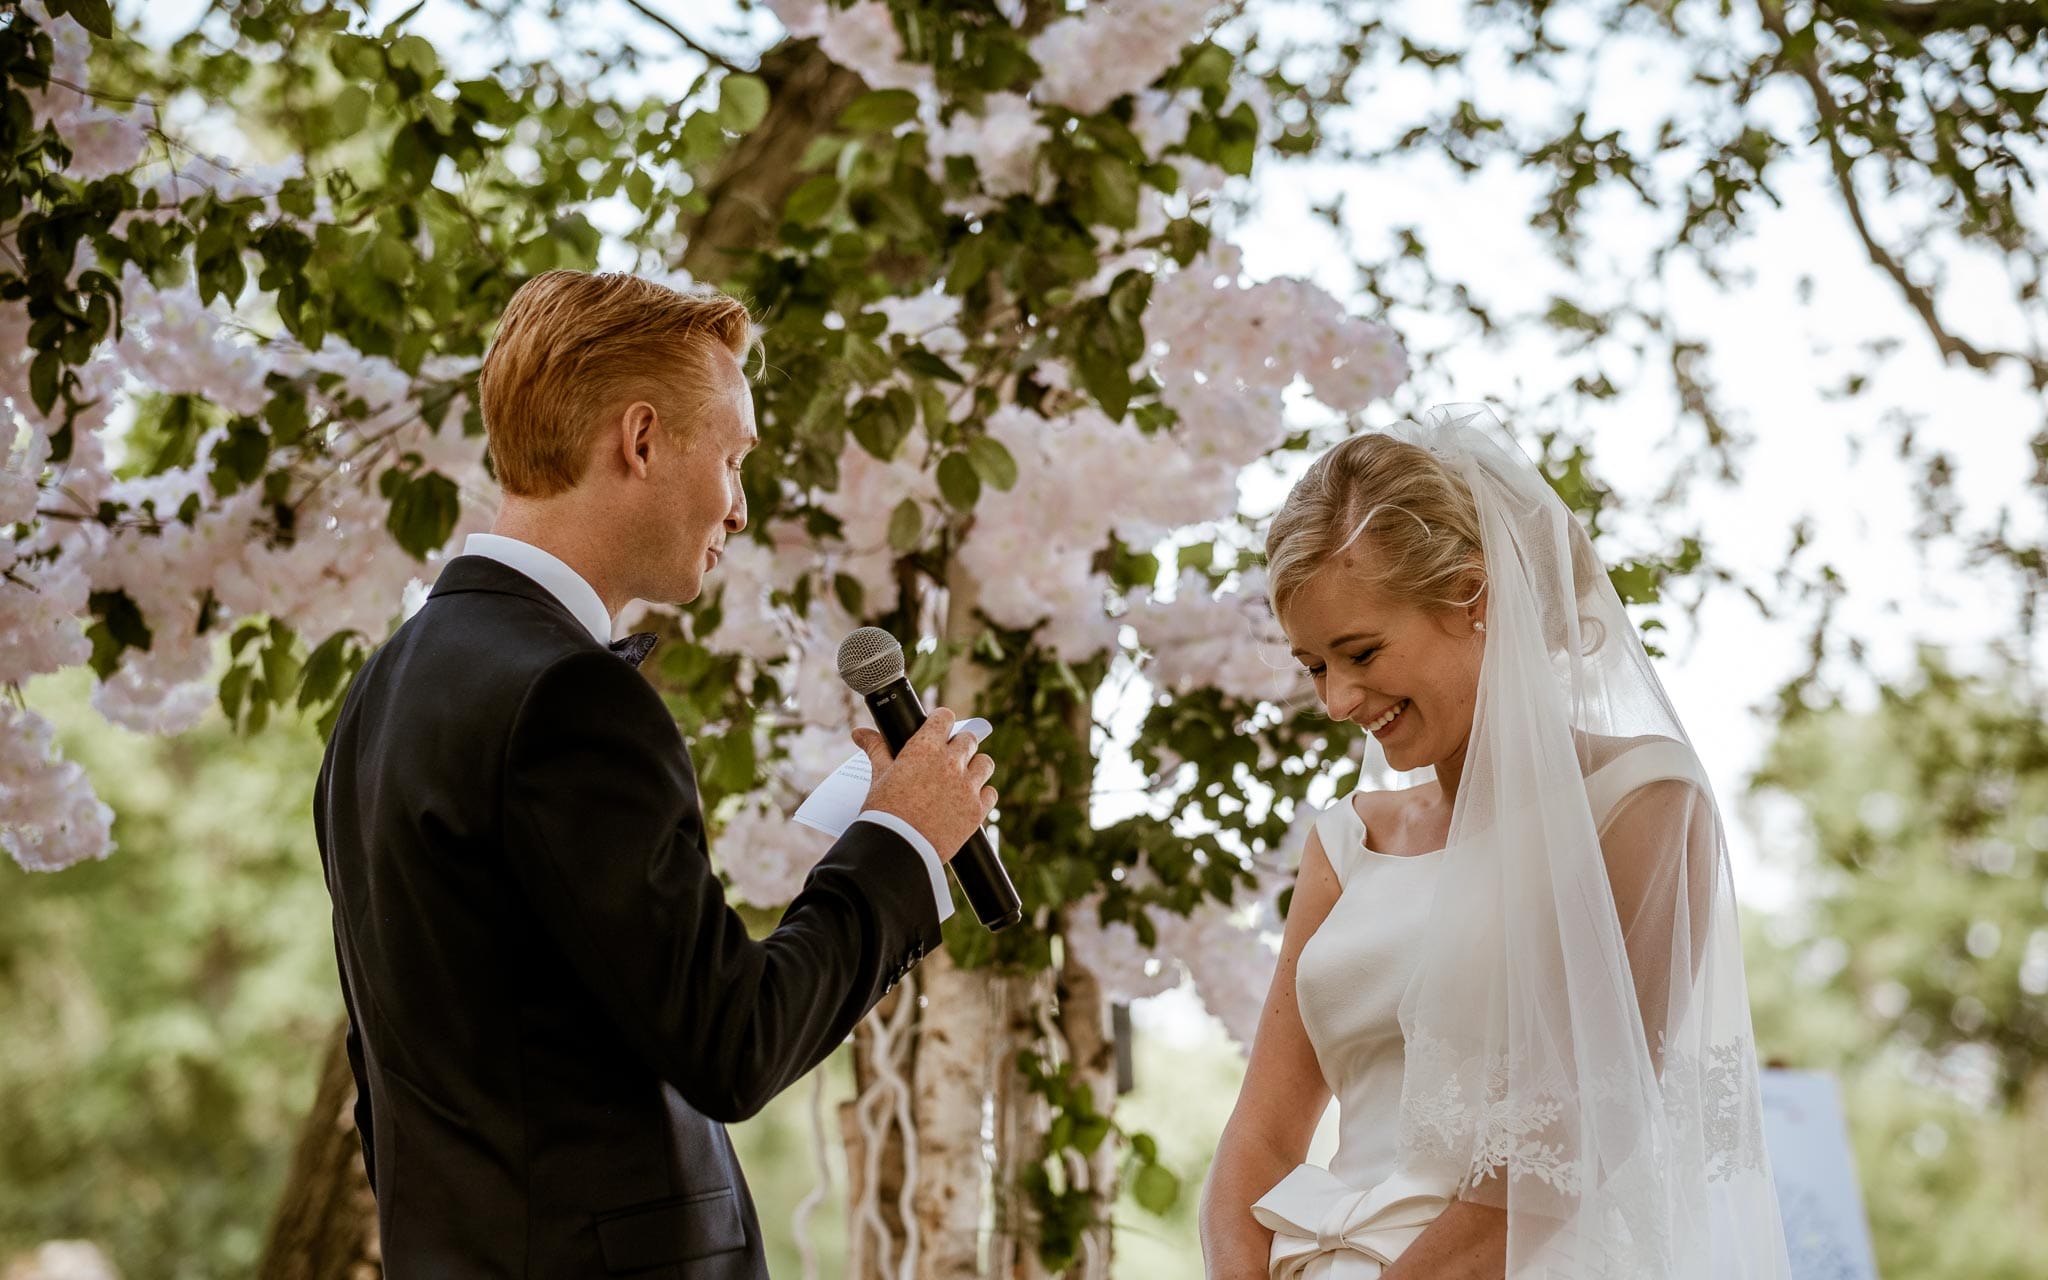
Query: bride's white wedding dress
point(1349, 1221)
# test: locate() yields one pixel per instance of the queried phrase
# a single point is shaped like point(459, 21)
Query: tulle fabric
point(1579, 1050)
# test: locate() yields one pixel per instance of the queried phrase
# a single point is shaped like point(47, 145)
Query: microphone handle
point(899, 715)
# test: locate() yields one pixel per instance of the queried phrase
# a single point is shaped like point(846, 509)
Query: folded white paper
point(839, 798)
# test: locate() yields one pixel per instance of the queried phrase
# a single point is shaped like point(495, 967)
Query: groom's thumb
point(875, 745)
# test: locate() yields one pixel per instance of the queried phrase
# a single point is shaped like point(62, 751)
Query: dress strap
point(1651, 760)
point(1343, 836)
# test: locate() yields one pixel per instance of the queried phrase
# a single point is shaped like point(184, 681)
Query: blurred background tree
point(1917, 968)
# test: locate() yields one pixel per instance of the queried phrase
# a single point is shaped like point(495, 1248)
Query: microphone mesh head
point(869, 659)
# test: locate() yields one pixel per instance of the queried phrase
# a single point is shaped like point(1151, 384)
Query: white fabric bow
point(1325, 1229)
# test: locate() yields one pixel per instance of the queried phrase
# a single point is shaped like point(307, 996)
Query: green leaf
point(439, 112)
point(240, 456)
point(852, 596)
point(878, 111)
point(640, 188)
point(121, 617)
point(1107, 377)
point(922, 362)
point(1113, 186)
point(958, 482)
point(389, 257)
point(879, 425)
point(96, 16)
point(259, 708)
point(397, 24)
point(821, 153)
point(992, 462)
point(423, 513)
point(43, 378)
point(1240, 141)
point(1156, 1188)
point(321, 678)
point(234, 687)
point(280, 668)
point(742, 103)
point(731, 767)
point(490, 100)
point(1209, 68)
point(357, 57)
point(417, 56)
point(1637, 582)
point(906, 526)
point(244, 635)
point(1089, 1133)
point(810, 202)
point(286, 414)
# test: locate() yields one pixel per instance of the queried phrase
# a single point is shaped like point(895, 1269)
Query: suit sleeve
point(354, 1044)
point(604, 832)
point(352, 1034)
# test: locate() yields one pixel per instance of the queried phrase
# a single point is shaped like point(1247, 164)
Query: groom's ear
point(635, 435)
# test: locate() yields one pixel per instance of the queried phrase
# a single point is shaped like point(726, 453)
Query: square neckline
point(1647, 757)
point(1365, 830)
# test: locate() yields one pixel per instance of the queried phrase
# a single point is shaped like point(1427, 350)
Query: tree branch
point(1917, 296)
point(1920, 18)
point(709, 55)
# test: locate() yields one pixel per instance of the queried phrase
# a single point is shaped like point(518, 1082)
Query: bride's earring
point(1480, 627)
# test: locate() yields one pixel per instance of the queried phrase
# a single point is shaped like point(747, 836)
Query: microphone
point(871, 663)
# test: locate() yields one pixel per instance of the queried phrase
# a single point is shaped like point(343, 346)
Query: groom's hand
point(938, 784)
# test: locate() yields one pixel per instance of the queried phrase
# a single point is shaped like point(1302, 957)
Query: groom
point(552, 1011)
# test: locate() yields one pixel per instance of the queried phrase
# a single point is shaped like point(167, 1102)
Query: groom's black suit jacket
point(552, 1011)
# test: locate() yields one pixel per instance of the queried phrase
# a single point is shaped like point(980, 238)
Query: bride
point(1521, 980)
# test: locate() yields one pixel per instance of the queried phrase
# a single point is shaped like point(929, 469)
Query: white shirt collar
point(562, 582)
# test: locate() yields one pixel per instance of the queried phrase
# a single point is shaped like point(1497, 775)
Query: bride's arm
point(1468, 1241)
point(1283, 1097)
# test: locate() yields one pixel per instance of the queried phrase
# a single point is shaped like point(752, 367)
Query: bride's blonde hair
point(1419, 525)
point(1399, 502)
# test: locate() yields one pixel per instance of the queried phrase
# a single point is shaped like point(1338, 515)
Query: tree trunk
point(806, 92)
point(953, 1049)
point(1085, 1025)
point(1020, 1120)
point(326, 1223)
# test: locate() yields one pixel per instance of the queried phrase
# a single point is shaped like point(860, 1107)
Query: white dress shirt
point(582, 601)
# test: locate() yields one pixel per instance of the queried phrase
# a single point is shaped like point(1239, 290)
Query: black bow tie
point(635, 648)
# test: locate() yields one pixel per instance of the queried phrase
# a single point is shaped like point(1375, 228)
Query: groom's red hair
point(574, 347)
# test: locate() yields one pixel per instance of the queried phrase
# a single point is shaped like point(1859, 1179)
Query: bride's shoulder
point(1399, 816)
point(1605, 754)
point(1380, 808)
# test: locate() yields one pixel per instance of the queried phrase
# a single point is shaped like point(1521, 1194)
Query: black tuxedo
point(552, 1011)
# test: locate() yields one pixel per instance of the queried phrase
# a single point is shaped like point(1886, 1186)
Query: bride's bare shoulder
point(1382, 809)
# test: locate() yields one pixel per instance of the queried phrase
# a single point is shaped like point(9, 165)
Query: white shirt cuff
point(941, 895)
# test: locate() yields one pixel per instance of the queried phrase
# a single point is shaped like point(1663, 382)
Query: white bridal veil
point(1578, 1035)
